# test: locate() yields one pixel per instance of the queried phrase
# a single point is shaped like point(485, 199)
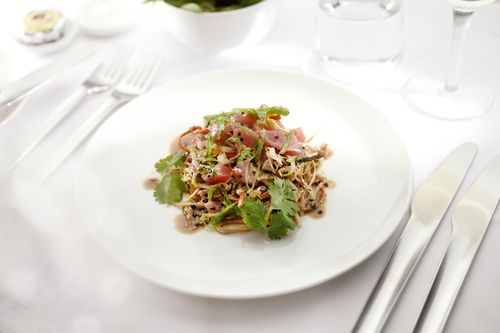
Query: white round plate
point(370, 166)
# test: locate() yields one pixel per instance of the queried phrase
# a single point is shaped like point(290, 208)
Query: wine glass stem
point(461, 22)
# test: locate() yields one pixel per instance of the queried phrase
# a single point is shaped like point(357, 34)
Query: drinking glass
point(354, 37)
point(449, 93)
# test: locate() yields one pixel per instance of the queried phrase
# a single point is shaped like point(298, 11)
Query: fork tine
point(146, 83)
point(145, 70)
point(141, 67)
point(121, 63)
point(133, 72)
point(110, 63)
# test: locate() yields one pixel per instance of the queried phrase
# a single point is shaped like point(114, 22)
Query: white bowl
point(212, 32)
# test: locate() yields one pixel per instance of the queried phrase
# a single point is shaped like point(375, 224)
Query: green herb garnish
point(280, 217)
point(253, 213)
point(216, 218)
point(209, 5)
point(283, 196)
point(279, 226)
point(261, 113)
point(171, 187)
point(170, 161)
point(210, 143)
point(217, 162)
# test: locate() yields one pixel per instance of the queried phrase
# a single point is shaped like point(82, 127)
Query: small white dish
point(370, 166)
point(107, 18)
point(214, 32)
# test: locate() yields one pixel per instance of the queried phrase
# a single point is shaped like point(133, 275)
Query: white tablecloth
point(55, 279)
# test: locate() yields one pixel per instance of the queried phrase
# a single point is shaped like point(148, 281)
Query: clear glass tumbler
point(354, 33)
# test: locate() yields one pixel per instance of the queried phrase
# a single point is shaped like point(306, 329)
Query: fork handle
point(60, 155)
point(50, 123)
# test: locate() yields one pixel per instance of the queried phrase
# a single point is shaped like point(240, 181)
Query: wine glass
point(448, 93)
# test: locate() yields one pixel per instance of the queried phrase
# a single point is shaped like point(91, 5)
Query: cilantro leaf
point(253, 213)
point(170, 161)
point(283, 197)
point(170, 189)
point(279, 225)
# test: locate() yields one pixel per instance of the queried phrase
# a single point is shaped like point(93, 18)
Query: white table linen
point(54, 278)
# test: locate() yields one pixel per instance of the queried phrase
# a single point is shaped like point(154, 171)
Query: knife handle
point(50, 123)
point(401, 263)
point(446, 285)
point(39, 76)
point(58, 157)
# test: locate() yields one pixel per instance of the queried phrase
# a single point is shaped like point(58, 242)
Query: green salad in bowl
point(209, 5)
point(212, 26)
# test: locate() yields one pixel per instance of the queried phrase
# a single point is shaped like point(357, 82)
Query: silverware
point(135, 83)
point(101, 80)
point(470, 222)
point(16, 91)
point(430, 203)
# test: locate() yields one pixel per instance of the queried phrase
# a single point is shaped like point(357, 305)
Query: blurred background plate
point(370, 166)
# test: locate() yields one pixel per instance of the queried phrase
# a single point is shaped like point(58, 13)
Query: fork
point(133, 84)
point(102, 79)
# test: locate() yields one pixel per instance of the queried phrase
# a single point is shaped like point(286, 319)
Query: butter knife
point(429, 205)
point(470, 222)
point(15, 91)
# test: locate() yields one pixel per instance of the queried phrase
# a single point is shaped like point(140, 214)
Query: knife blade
point(20, 88)
point(428, 207)
point(470, 222)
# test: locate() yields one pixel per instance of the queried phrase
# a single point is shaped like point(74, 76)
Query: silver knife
point(429, 205)
point(15, 91)
point(470, 222)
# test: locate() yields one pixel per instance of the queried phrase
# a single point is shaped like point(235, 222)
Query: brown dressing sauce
point(151, 182)
point(321, 210)
point(155, 179)
point(318, 213)
point(181, 225)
